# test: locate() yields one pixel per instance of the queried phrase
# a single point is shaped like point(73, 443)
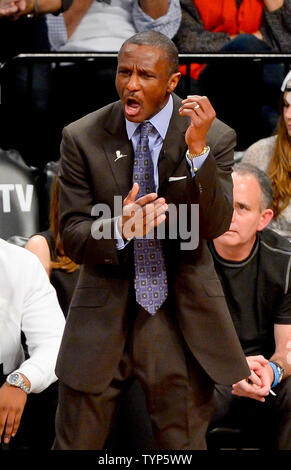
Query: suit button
point(107, 260)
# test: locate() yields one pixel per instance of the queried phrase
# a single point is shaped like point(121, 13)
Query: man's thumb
point(132, 194)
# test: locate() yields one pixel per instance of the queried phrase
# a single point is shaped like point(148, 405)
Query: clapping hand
point(141, 215)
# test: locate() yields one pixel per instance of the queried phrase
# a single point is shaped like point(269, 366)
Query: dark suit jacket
point(96, 327)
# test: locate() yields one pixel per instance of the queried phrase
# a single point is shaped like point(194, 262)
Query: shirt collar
point(160, 120)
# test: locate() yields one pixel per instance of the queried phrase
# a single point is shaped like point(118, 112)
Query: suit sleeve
point(79, 227)
point(213, 184)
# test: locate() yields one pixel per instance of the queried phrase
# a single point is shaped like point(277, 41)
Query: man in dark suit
point(177, 338)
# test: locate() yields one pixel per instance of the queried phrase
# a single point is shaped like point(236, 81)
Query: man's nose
point(133, 82)
point(233, 216)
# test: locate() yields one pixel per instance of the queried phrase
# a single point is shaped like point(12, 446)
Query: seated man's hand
point(11, 8)
point(258, 384)
point(12, 402)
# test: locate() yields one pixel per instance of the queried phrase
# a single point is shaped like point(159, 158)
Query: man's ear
point(265, 219)
point(173, 81)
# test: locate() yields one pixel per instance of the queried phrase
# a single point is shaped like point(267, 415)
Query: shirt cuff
point(120, 243)
point(39, 379)
point(196, 163)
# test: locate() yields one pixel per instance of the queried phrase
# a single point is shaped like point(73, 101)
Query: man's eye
point(147, 75)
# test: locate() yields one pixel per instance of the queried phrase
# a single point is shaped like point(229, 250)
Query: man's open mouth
point(132, 106)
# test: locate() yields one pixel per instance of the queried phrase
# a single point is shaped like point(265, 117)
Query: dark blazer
point(96, 327)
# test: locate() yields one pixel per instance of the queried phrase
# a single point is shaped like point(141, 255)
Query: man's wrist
point(191, 155)
point(41, 7)
point(195, 148)
point(18, 380)
point(278, 372)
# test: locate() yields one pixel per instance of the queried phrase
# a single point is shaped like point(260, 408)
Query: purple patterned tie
point(150, 271)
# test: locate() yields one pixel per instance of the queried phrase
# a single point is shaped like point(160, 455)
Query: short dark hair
point(264, 181)
point(156, 39)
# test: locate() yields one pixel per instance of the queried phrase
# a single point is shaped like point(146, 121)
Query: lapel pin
point(119, 155)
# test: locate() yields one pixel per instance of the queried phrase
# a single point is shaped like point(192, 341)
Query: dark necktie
point(150, 270)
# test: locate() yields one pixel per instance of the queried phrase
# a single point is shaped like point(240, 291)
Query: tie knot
point(146, 128)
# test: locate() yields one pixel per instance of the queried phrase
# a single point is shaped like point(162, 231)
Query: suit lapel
point(174, 146)
point(118, 150)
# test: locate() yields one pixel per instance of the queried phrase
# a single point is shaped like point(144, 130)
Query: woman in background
point(273, 156)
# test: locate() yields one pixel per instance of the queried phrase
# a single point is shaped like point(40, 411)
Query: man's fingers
point(141, 220)
point(250, 395)
point(161, 218)
point(149, 226)
point(3, 418)
point(259, 358)
point(249, 389)
point(192, 114)
point(134, 209)
point(9, 427)
point(152, 216)
point(197, 115)
point(150, 198)
point(13, 419)
point(17, 420)
point(130, 198)
point(253, 378)
point(198, 103)
point(130, 209)
point(154, 209)
point(143, 200)
point(149, 217)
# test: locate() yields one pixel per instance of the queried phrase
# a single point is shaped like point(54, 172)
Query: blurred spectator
point(29, 306)
point(273, 156)
point(105, 25)
point(253, 265)
point(63, 274)
point(47, 246)
point(234, 26)
point(25, 90)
